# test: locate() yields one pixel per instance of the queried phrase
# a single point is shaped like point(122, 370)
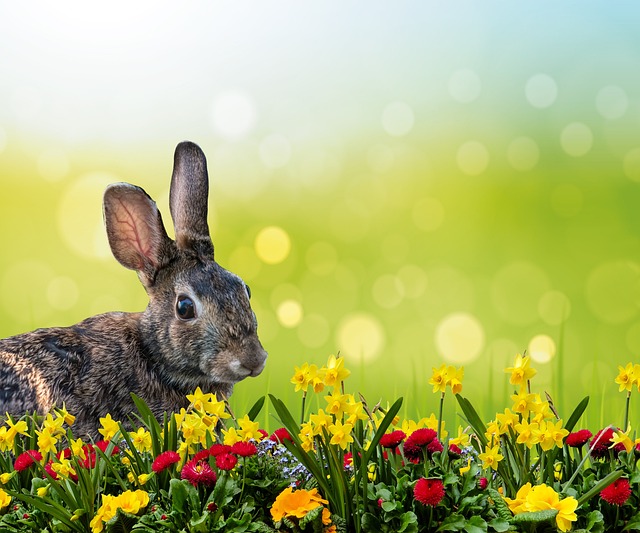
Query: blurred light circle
point(516, 290)
point(272, 245)
point(387, 291)
point(459, 338)
point(472, 158)
point(554, 308)
point(233, 114)
point(53, 165)
point(613, 291)
point(105, 304)
point(80, 215)
point(631, 164)
point(289, 313)
point(349, 223)
point(523, 154)
point(566, 200)
point(380, 158)
point(541, 91)
point(244, 262)
point(360, 337)
point(612, 102)
point(27, 282)
point(275, 151)
point(313, 331)
point(502, 351)
point(576, 139)
point(465, 86)
point(397, 119)
point(62, 293)
point(542, 349)
point(427, 214)
point(413, 280)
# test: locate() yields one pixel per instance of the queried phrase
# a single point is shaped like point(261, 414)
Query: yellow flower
point(16, 428)
point(67, 418)
point(620, 437)
point(523, 402)
point(431, 422)
point(521, 372)
point(341, 434)
point(129, 501)
point(230, 436)
point(46, 442)
point(319, 421)
point(192, 428)
point(493, 432)
point(337, 403)
point(295, 504)
point(465, 469)
point(528, 434)
point(626, 377)
point(43, 491)
point(355, 410)
point(334, 372)
point(507, 420)
point(78, 449)
point(5, 499)
point(461, 440)
point(109, 427)
point(491, 457)
point(454, 378)
point(6, 443)
point(6, 477)
point(143, 478)
point(541, 410)
point(215, 408)
point(439, 378)
point(542, 497)
point(141, 440)
point(303, 376)
point(518, 504)
point(248, 429)
point(63, 468)
point(553, 435)
point(306, 437)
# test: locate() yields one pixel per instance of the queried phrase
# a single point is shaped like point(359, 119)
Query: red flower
point(482, 483)
point(454, 450)
point(617, 493)
point(90, 460)
point(601, 449)
point(198, 473)
point(435, 446)
point(419, 439)
point(202, 454)
point(578, 438)
point(217, 449)
point(347, 460)
point(164, 461)
point(244, 449)
point(26, 459)
point(393, 439)
point(226, 461)
point(49, 470)
point(263, 433)
point(103, 444)
point(429, 491)
point(280, 435)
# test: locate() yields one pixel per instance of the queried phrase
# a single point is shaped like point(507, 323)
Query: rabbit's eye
point(185, 308)
point(248, 291)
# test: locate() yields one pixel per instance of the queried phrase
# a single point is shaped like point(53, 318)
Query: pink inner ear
point(135, 229)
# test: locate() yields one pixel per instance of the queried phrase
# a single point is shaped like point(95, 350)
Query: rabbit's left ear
point(136, 234)
point(188, 199)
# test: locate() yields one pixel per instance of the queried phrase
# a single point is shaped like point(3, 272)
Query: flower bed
point(348, 467)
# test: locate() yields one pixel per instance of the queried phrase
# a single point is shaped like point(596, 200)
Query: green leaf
point(408, 522)
point(595, 522)
point(577, 413)
point(633, 524)
point(602, 484)
point(476, 524)
point(453, 522)
point(536, 517)
point(257, 407)
point(122, 522)
point(499, 525)
point(473, 419)
point(502, 509)
point(370, 523)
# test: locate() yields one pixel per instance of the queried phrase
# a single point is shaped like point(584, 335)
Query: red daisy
point(244, 449)
point(429, 491)
point(617, 493)
point(454, 451)
point(280, 435)
point(601, 449)
point(217, 449)
point(102, 445)
point(578, 438)
point(202, 454)
point(393, 439)
point(422, 437)
point(26, 459)
point(89, 461)
point(226, 461)
point(482, 483)
point(347, 460)
point(435, 446)
point(198, 473)
point(164, 461)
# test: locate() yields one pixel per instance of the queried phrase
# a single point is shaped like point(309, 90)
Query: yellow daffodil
point(506, 420)
point(248, 429)
point(439, 378)
point(461, 440)
point(518, 504)
point(454, 378)
point(334, 372)
point(626, 377)
point(554, 435)
point(306, 437)
point(16, 428)
point(341, 434)
point(319, 421)
point(193, 429)
point(523, 402)
point(46, 442)
point(542, 497)
point(6, 441)
point(301, 378)
point(5, 499)
point(491, 457)
point(528, 433)
point(431, 422)
point(68, 418)
point(141, 440)
point(6, 477)
point(63, 468)
point(465, 469)
point(620, 437)
point(520, 372)
point(337, 403)
point(109, 427)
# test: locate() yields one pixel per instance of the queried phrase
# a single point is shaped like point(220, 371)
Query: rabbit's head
point(199, 328)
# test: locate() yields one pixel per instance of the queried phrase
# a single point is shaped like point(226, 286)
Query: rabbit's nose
point(257, 362)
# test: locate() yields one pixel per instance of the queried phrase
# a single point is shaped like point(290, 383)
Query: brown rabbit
point(197, 331)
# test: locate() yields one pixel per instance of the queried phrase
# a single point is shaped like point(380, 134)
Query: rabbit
point(198, 329)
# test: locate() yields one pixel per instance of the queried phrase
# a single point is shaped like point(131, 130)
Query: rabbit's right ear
point(135, 230)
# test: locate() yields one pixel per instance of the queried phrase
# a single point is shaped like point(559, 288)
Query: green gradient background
point(427, 160)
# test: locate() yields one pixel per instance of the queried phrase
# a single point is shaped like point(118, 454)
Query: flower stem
point(440, 414)
point(304, 399)
point(626, 411)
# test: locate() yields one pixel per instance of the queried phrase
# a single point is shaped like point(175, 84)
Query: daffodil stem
point(304, 400)
point(626, 411)
point(440, 414)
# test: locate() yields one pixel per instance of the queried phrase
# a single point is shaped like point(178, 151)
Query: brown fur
point(94, 366)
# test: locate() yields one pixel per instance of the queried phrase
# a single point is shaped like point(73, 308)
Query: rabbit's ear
point(188, 199)
point(136, 234)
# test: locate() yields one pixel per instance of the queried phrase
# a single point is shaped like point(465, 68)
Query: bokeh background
point(407, 183)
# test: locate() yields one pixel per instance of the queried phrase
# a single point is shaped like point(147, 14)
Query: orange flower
point(290, 503)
